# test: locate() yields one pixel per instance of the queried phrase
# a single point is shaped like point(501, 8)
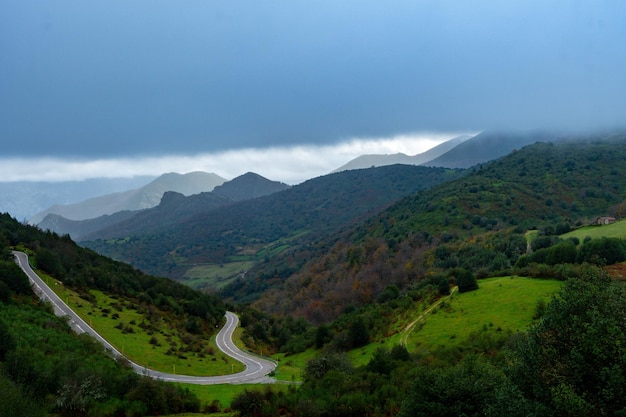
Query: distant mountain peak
point(249, 185)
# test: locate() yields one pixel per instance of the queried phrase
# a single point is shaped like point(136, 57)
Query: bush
point(464, 279)
point(603, 251)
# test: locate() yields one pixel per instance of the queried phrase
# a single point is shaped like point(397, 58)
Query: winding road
point(256, 370)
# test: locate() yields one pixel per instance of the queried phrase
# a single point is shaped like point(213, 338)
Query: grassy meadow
point(504, 304)
point(214, 276)
point(148, 337)
point(617, 229)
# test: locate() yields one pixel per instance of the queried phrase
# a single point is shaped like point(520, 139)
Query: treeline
point(571, 362)
point(46, 369)
point(602, 251)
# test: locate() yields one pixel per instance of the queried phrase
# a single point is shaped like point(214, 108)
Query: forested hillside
point(46, 369)
point(568, 362)
point(477, 222)
point(315, 209)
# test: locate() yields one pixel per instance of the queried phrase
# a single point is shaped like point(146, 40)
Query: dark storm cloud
point(156, 77)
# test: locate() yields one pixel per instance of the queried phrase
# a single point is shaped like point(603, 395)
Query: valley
point(375, 291)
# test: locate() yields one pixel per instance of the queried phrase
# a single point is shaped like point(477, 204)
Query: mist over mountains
point(377, 160)
point(33, 201)
point(84, 218)
point(135, 199)
point(24, 199)
point(172, 207)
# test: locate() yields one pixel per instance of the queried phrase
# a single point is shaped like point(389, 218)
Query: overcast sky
point(295, 85)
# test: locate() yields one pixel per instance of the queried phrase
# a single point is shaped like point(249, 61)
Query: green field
point(214, 276)
point(225, 394)
point(166, 349)
point(617, 229)
point(504, 304)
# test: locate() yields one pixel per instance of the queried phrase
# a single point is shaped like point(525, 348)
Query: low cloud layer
point(291, 165)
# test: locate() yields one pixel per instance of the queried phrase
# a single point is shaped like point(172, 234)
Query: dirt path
point(409, 328)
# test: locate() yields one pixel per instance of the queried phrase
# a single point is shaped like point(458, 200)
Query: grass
point(214, 276)
point(225, 394)
point(617, 229)
point(504, 304)
point(291, 368)
point(120, 323)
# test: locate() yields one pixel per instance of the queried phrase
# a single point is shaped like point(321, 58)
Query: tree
point(400, 353)
point(14, 277)
point(149, 392)
point(573, 360)
point(7, 341)
point(323, 335)
point(563, 253)
point(381, 362)
point(465, 389)
point(315, 369)
point(76, 396)
point(464, 279)
point(5, 293)
point(358, 333)
point(603, 251)
point(15, 402)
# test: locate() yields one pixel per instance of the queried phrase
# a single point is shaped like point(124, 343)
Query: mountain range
point(378, 160)
point(172, 208)
point(358, 261)
point(239, 218)
point(24, 199)
point(460, 152)
point(136, 199)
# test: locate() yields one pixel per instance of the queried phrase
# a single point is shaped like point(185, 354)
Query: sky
point(291, 89)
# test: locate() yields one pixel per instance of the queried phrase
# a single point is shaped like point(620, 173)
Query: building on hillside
point(605, 220)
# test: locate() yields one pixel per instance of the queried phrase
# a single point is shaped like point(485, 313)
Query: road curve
point(256, 370)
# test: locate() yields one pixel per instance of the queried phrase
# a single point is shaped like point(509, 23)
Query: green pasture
point(119, 322)
point(214, 276)
point(504, 304)
point(291, 367)
point(617, 229)
point(225, 393)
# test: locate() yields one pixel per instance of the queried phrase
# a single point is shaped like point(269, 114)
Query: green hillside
point(250, 230)
point(501, 306)
point(555, 185)
point(359, 312)
point(46, 370)
point(616, 230)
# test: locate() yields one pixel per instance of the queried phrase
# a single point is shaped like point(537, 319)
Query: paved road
point(256, 370)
